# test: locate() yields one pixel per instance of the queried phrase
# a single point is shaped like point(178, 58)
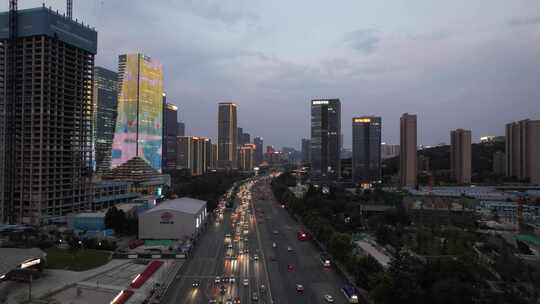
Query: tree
point(340, 246)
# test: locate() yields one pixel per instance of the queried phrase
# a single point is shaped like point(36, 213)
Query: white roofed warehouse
point(173, 220)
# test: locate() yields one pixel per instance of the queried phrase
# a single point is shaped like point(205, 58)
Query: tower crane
point(69, 9)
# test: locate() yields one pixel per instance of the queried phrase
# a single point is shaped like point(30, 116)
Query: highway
point(263, 216)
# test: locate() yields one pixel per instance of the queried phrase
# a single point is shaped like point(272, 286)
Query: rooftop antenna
point(69, 9)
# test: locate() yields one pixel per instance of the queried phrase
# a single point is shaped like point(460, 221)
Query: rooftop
point(44, 21)
point(184, 204)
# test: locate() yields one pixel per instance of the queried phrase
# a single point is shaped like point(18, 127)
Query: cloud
point(524, 21)
point(365, 41)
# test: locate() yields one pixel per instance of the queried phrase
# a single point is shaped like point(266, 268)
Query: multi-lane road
point(266, 223)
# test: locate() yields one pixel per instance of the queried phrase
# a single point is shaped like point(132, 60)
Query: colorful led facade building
point(366, 154)
point(139, 127)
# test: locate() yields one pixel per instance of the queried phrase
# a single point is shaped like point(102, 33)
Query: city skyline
point(496, 50)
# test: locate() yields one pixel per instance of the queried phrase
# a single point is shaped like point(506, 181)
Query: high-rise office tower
point(366, 154)
point(46, 72)
point(306, 149)
point(325, 138)
point(192, 154)
point(246, 138)
point(239, 136)
point(214, 156)
point(181, 129)
point(389, 151)
point(247, 157)
point(523, 150)
point(184, 152)
point(104, 119)
point(208, 160)
point(408, 156)
point(460, 155)
point(499, 163)
point(170, 132)
point(140, 111)
point(259, 144)
point(227, 135)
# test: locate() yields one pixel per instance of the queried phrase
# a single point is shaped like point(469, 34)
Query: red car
point(290, 267)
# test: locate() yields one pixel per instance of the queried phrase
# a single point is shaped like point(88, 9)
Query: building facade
point(389, 151)
point(306, 150)
point(104, 121)
point(460, 155)
point(170, 132)
point(499, 163)
point(46, 74)
point(193, 153)
point(366, 154)
point(227, 135)
point(181, 130)
point(247, 157)
point(523, 150)
point(408, 155)
point(325, 139)
point(259, 144)
point(139, 125)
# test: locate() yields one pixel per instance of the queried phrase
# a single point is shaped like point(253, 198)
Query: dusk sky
point(456, 64)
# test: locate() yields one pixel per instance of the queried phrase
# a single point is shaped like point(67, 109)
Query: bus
point(350, 293)
point(303, 236)
point(325, 260)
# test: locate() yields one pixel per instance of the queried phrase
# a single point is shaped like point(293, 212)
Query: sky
point(456, 64)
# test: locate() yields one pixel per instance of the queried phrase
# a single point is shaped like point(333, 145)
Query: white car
point(245, 282)
point(217, 280)
point(289, 248)
point(329, 298)
point(255, 257)
point(274, 245)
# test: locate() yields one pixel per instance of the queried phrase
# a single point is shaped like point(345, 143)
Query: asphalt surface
point(209, 260)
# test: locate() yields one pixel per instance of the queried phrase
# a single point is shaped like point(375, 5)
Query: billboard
point(140, 111)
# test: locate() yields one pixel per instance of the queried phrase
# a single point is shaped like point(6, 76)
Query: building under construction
point(46, 70)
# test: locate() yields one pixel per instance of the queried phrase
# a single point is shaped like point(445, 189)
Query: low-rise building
point(173, 220)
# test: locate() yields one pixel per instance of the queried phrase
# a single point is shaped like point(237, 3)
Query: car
point(196, 284)
point(290, 267)
point(212, 300)
point(328, 298)
point(275, 232)
point(229, 301)
point(245, 282)
point(262, 288)
point(299, 288)
point(225, 280)
point(255, 257)
point(289, 248)
point(274, 245)
point(255, 296)
point(237, 300)
point(232, 280)
point(217, 280)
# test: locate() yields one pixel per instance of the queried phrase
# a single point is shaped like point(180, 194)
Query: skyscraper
point(246, 138)
point(389, 151)
point(239, 136)
point(499, 163)
point(192, 154)
point(366, 159)
point(247, 157)
point(170, 132)
point(227, 135)
point(181, 129)
point(104, 119)
point(325, 138)
point(306, 149)
point(140, 111)
point(523, 150)
point(460, 155)
point(407, 156)
point(259, 144)
point(46, 74)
